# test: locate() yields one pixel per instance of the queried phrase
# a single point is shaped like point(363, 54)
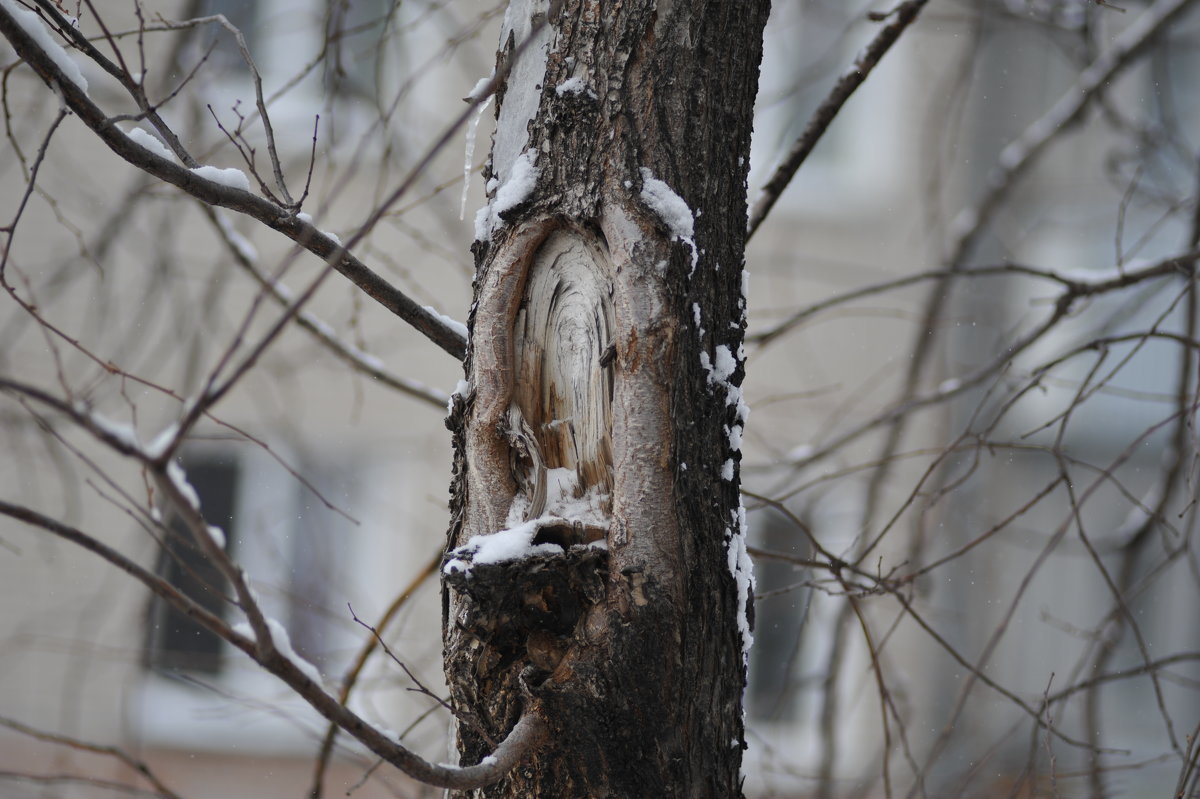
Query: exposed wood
point(561, 392)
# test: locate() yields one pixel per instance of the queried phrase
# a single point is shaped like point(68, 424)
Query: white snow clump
point(41, 35)
point(233, 178)
point(514, 543)
point(151, 143)
point(672, 210)
point(512, 192)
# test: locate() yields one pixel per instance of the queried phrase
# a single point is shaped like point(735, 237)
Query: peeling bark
point(594, 414)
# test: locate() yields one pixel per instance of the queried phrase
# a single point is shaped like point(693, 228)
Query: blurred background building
point(1059, 479)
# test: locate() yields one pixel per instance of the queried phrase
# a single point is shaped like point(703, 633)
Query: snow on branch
point(201, 184)
point(40, 34)
point(233, 178)
point(283, 642)
point(263, 639)
point(148, 141)
point(246, 257)
point(515, 543)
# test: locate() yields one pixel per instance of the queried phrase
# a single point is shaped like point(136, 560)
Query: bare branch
point(846, 85)
point(266, 212)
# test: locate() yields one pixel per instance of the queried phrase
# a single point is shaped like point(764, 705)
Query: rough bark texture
point(601, 408)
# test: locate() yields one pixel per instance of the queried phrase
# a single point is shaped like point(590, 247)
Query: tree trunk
point(597, 572)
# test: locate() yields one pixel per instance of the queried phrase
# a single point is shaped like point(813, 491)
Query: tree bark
point(596, 572)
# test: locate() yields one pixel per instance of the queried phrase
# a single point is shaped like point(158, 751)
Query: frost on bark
point(597, 573)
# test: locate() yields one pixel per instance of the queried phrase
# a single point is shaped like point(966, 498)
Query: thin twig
point(528, 733)
point(266, 212)
point(350, 678)
point(101, 749)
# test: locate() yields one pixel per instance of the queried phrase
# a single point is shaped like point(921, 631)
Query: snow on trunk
point(524, 85)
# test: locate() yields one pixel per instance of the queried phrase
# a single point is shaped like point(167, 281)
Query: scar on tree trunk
point(543, 429)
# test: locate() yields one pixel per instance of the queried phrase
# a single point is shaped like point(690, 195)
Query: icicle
point(472, 126)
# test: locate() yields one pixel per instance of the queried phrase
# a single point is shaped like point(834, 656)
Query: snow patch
point(462, 389)
point(1093, 275)
point(367, 359)
point(719, 369)
point(800, 452)
point(735, 437)
point(502, 546)
point(511, 193)
point(44, 39)
point(742, 570)
point(724, 364)
point(159, 444)
point(574, 86)
point(217, 535)
point(119, 430)
point(283, 644)
point(477, 91)
point(948, 386)
point(453, 324)
point(519, 185)
point(322, 327)
point(233, 178)
point(150, 142)
point(515, 542)
point(179, 478)
point(672, 210)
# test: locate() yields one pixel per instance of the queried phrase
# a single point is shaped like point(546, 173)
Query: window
point(276, 31)
point(299, 557)
point(795, 638)
point(174, 640)
point(306, 52)
point(793, 621)
point(289, 542)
